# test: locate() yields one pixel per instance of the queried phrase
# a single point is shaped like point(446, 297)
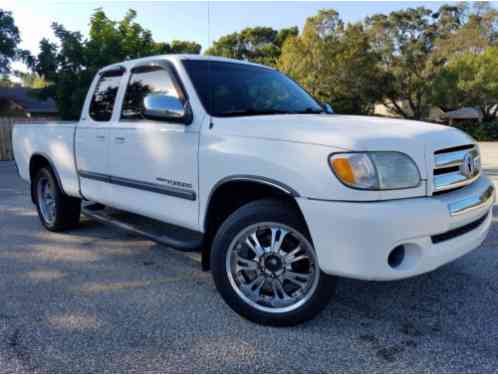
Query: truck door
point(153, 163)
point(92, 137)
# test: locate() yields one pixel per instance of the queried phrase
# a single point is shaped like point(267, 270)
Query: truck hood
point(359, 133)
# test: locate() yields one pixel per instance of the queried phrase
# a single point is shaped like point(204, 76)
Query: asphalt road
point(98, 300)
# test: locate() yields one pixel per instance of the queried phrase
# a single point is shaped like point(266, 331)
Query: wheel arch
point(222, 202)
point(38, 161)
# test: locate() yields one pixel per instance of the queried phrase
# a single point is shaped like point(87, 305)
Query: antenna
point(210, 100)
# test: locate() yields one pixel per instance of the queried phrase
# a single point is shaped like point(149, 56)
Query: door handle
point(120, 139)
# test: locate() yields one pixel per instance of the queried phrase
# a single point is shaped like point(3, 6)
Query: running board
point(167, 234)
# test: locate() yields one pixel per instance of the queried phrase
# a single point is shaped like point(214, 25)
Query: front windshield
point(231, 89)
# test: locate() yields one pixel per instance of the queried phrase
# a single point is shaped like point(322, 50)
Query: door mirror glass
point(163, 107)
point(327, 108)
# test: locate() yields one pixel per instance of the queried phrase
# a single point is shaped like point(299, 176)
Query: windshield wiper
point(252, 112)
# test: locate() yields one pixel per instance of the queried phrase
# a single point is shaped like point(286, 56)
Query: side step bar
point(167, 234)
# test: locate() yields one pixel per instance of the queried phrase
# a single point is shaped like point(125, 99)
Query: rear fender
point(38, 161)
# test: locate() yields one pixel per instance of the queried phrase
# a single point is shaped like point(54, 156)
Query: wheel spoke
point(51, 208)
point(245, 264)
point(46, 199)
point(276, 244)
point(265, 274)
point(299, 279)
point(297, 259)
point(280, 296)
point(44, 191)
point(292, 255)
point(253, 288)
point(253, 243)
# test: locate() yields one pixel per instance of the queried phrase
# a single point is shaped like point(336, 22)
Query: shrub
point(483, 132)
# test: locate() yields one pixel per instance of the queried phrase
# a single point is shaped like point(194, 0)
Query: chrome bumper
point(473, 202)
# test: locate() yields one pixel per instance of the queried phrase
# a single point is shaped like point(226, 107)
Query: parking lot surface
point(96, 299)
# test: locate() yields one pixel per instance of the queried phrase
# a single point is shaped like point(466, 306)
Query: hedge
point(483, 132)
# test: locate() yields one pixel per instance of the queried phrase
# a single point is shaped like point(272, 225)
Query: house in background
point(22, 102)
point(435, 115)
point(464, 114)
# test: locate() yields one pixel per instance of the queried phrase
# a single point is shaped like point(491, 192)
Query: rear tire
point(293, 289)
point(56, 210)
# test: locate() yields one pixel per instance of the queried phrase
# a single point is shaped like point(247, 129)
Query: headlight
point(377, 170)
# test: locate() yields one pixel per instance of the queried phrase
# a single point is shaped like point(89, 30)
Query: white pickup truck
point(279, 194)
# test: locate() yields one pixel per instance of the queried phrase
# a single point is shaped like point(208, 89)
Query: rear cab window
point(104, 96)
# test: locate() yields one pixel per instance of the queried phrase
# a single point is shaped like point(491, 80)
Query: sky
point(202, 22)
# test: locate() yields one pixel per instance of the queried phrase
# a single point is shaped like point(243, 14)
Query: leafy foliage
point(5, 81)
point(404, 39)
point(469, 79)
point(468, 55)
point(71, 64)
point(9, 39)
point(481, 132)
point(334, 62)
point(410, 60)
point(259, 44)
point(465, 28)
point(32, 80)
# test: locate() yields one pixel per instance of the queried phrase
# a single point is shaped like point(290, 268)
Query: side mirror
point(327, 108)
point(165, 107)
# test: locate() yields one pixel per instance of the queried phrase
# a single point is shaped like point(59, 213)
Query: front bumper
point(354, 239)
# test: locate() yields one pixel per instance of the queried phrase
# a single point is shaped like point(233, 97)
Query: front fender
point(298, 168)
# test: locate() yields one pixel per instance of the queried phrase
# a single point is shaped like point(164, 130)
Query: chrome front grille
point(455, 167)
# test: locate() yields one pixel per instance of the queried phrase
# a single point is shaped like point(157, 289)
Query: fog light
point(396, 256)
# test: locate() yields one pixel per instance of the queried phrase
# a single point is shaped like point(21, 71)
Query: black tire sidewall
point(254, 213)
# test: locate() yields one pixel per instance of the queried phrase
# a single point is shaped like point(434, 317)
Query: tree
point(334, 62)
point(465, 28)
point(258, 44)
point(405, 39)
point(5, 81)
point(32, 80)
point(66, 67)
point(71, 64)
point(469, 79)
point(9, 39)
point(182, 46)
point(467, 55)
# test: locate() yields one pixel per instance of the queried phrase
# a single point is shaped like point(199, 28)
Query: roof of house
point(464, 113)
point(25, 97)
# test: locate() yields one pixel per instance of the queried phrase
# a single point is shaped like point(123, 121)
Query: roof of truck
point(178, 57)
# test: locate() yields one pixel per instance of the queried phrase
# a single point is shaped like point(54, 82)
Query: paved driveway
point(99, 300)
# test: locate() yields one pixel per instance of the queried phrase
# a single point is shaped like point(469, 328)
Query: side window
point(105, 95)
point(144, 81)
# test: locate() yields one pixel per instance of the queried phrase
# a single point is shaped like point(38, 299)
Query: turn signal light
point(344, 171)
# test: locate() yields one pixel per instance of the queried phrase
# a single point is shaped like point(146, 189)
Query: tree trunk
point(489, 113)
point(396, 108)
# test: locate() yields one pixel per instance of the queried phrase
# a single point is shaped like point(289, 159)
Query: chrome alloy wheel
point(46, 200)
point(272, 267)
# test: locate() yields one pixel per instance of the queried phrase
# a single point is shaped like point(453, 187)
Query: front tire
point(265, 267)
point(57, 211)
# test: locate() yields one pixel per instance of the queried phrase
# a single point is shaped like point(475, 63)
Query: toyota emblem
point(469, 165)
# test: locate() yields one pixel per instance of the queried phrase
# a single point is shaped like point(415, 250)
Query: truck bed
point(53, 141)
